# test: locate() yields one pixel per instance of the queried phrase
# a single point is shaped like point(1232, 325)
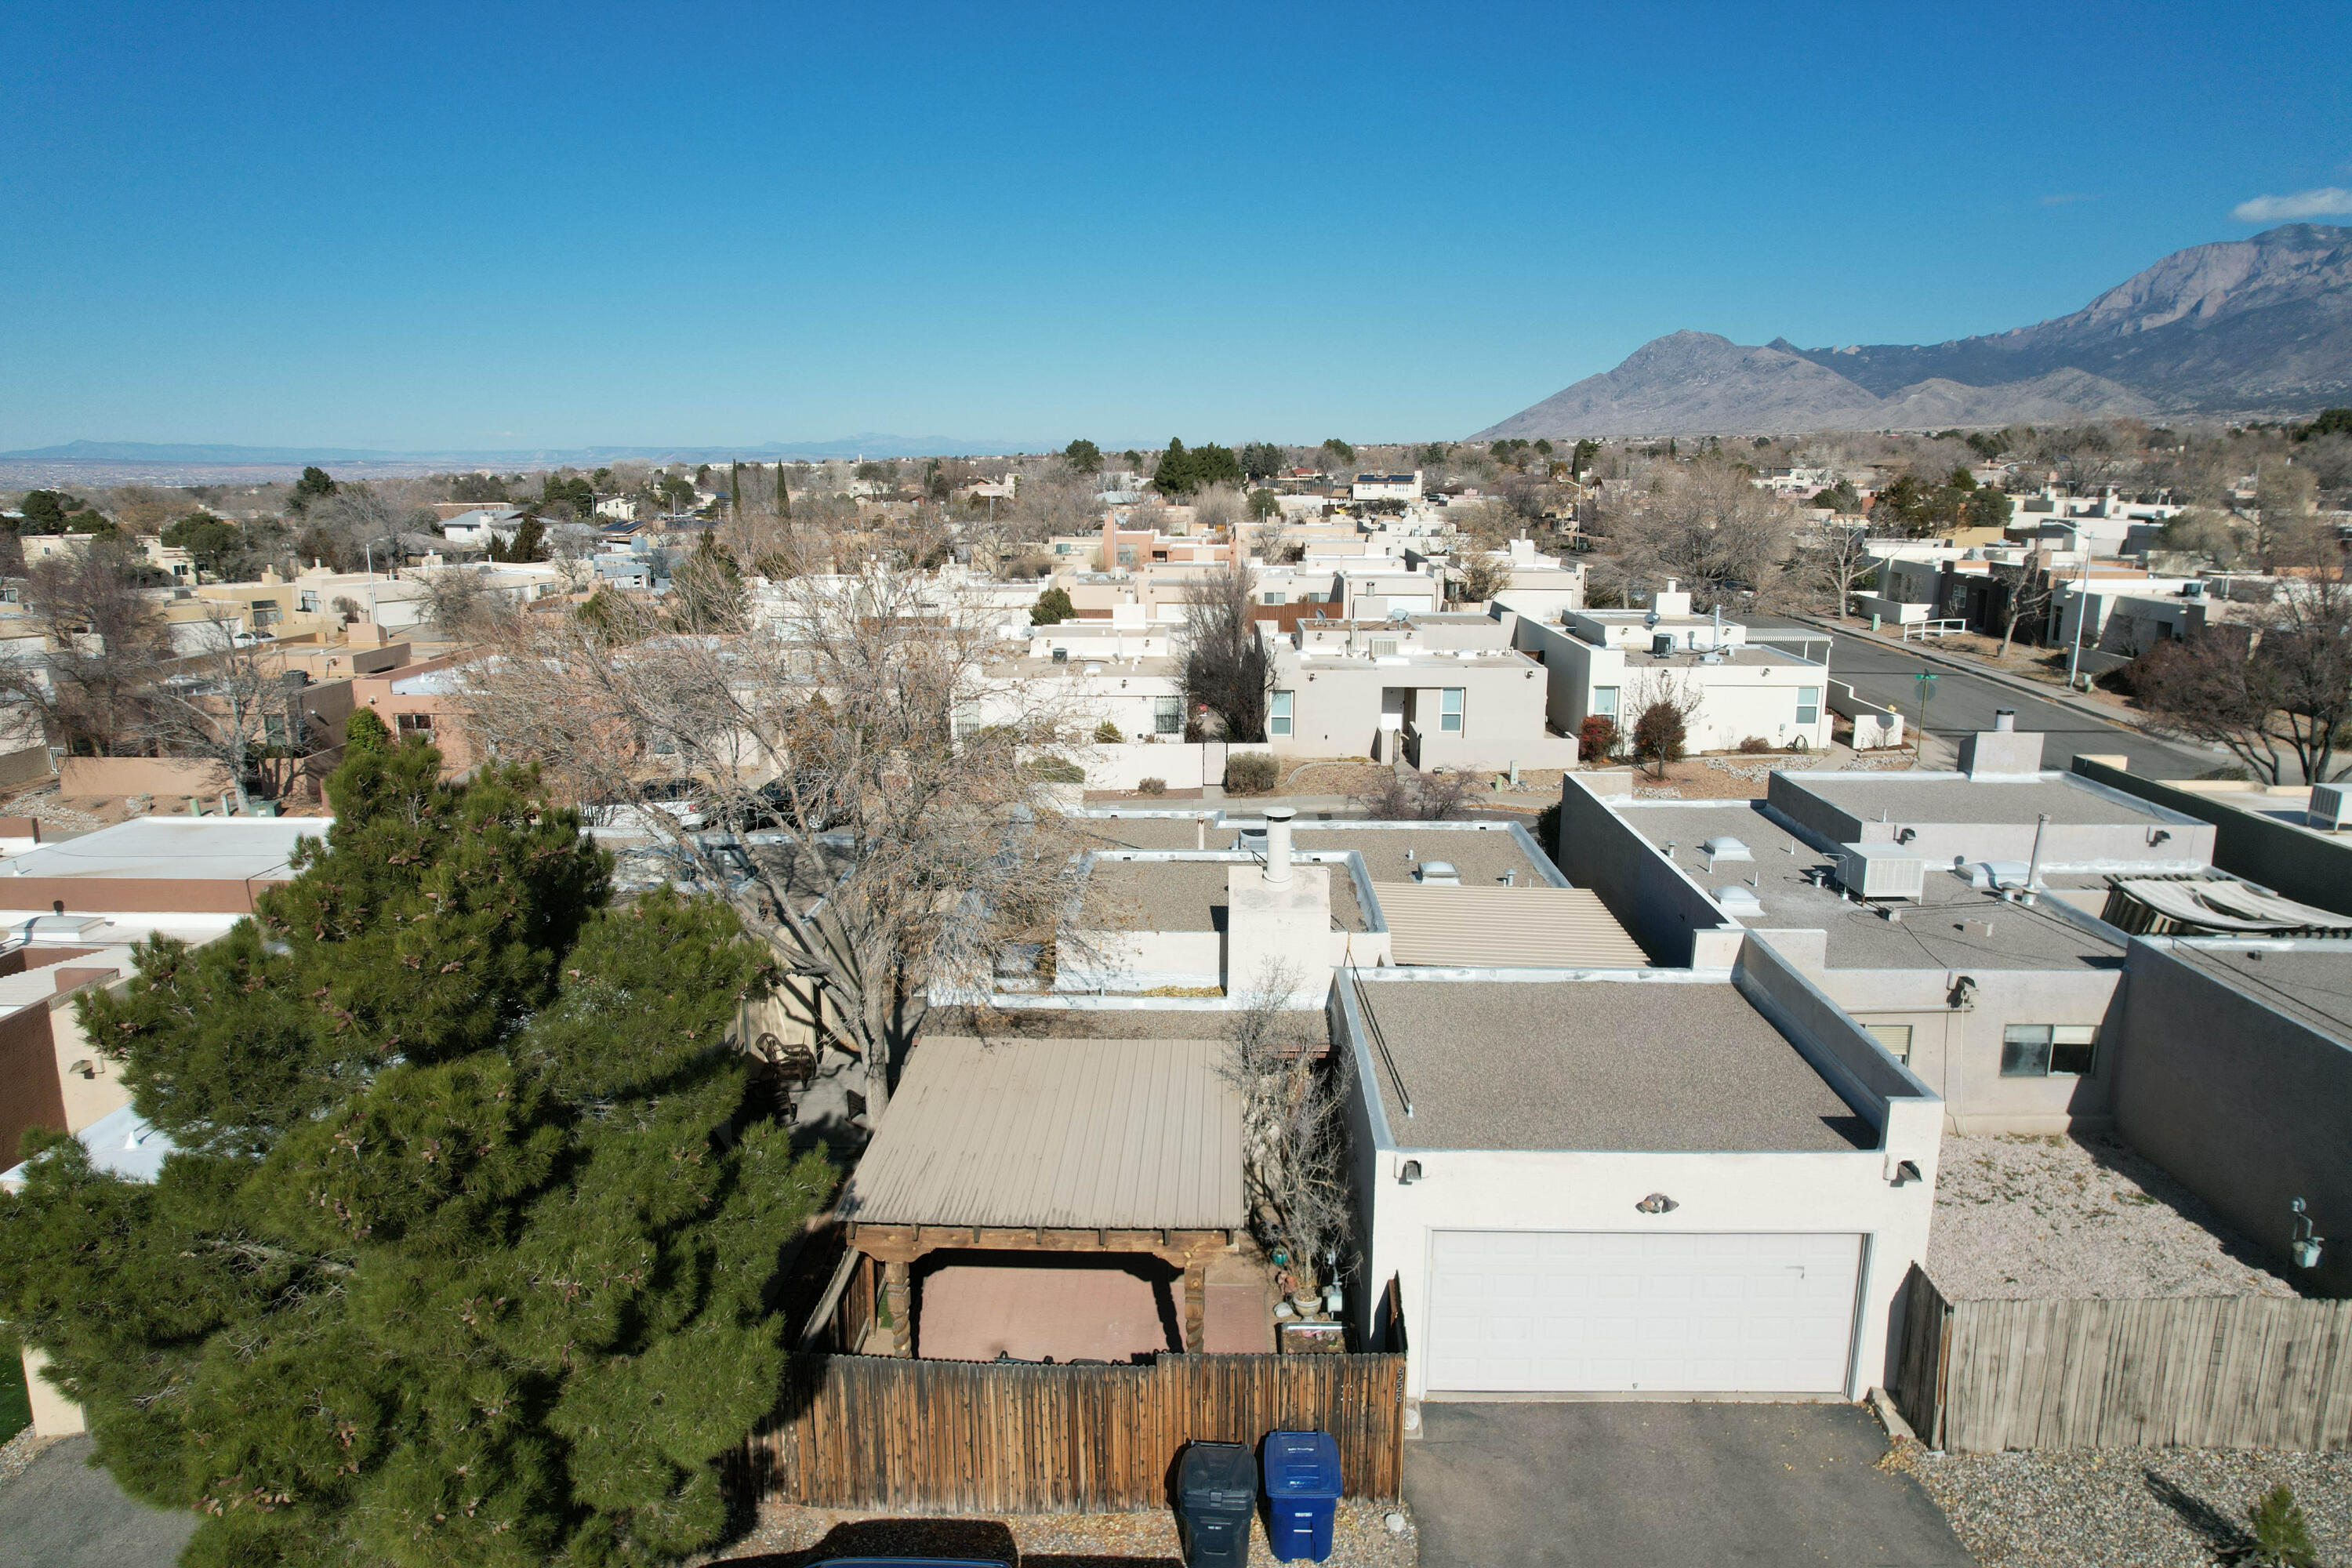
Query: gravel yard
point(2019, 1216)
point(2126, 1508)
point(786, 1537)
point(20, 1451)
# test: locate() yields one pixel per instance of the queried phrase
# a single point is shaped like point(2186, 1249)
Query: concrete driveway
point(1631, 1485)
point(64, 1514)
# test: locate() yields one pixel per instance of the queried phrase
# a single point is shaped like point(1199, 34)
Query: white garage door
point(1560, 1311)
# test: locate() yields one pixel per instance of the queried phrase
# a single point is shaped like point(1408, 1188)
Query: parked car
point(681, 798)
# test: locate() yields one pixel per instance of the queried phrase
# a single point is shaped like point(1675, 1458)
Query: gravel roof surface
point(1599, 1065)
point(2019, 1217)
point(1929, 936)
point(1186, 895)
point(1480, 853)
point(2128, 1508)
point(1965, 800)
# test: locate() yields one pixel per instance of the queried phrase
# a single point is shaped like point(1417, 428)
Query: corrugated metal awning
point(1066, 1134)
point(1515, 928)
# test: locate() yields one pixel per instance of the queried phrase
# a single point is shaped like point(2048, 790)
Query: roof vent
point(1438, 873)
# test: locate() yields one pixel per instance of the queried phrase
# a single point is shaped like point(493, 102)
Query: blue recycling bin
point(1302, 1493)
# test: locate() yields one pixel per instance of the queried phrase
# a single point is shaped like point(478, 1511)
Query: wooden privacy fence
point(2203, 1372)
point(1000, 1438)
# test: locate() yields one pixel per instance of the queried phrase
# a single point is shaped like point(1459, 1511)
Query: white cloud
point(2328, 200)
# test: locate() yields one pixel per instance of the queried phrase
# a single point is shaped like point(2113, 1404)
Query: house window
point(1274, 597)
point(1808, 704)
point(1277, 714)
point(1895, 1037)
point(1449, 710)
point(2049, 1051)
point(273, 729)
point(1168, 715)
point(310, 603)
point(1604, 701)
point(962, 720)
point(1127, 554)
point(413, 724)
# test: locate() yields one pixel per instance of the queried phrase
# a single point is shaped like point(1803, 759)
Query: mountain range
point(2259, 327)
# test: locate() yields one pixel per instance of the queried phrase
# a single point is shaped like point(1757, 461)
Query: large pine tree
point(465, 1254)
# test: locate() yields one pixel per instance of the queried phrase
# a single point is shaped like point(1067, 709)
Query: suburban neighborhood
point(920, 788)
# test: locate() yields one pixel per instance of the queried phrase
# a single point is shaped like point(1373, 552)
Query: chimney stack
point(2004, 721)
point(1277, 846)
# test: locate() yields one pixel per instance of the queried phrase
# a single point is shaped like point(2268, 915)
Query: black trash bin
point(1216, 1496)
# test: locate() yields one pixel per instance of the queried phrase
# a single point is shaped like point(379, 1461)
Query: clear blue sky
point(492, 226)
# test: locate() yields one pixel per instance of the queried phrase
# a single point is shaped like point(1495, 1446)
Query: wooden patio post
point(1196, 1301)
point(899, 1292)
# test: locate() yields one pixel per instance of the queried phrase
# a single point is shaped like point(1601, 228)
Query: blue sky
point(495, 225)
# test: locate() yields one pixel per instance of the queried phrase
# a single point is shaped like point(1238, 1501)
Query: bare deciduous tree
point(1484, 576)
point(1225, 667)
point(1415, 798)
point(104, 644)
point(218, 706)
point(875, 824)
point(1706, 527)
point(2275, 692)
point(1294, 1142)
point(1836, 558)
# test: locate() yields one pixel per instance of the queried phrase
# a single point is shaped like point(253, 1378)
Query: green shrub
point(2282, 1533)
point(1151, 787)
point(1755, 744)
point(1250, 773)
point(1053, 770)
point(1109, 734)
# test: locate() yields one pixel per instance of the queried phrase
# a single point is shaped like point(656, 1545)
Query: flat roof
point(1931, 933)
point(1542, 927)
point(1064, 1133)
point(173, 849)
point(1480, 851)
point(1598, 1064)
point(1962, 800)
point(1187, 895)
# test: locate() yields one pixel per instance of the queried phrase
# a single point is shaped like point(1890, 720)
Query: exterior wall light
point(1409, 1172)
point(1657, 1203)
point(1904, 1170)
point(2306, 1246)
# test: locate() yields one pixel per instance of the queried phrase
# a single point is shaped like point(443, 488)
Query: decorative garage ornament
point(1657, 1203)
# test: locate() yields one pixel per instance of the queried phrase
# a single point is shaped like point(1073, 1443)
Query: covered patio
point(1061, 1199)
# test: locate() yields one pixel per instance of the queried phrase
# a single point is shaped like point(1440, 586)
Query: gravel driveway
point(2019, 1217)
point(2127, 1508)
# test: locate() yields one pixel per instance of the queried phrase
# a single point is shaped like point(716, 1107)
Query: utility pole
point(1926, 680)
point(2081, 608)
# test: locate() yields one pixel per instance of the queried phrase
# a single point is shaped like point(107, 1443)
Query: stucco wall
point(2187, 846)
point(30, 1095)
point(159, 776)
point(2240, 1099)
point(1670, 915)
point(1598, 1191)
point(2283, 858)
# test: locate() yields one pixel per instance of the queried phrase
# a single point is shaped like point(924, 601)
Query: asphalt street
point(1964, 703)
point(63, 1512)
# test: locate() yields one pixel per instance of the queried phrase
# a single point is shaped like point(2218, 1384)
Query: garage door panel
point(1625, 1312)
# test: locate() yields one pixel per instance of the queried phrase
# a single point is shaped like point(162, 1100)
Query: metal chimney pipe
point(1277, 846)
point(2034, 869)
point(2004, 721)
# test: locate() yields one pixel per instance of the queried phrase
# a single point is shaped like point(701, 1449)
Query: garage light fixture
point(1904, 1170)
point(1409, 1172)
point(1657, 1203)
point(2306, 1246)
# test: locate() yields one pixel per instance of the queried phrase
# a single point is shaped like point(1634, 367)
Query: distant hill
point(2253, 327)
point(869, 445)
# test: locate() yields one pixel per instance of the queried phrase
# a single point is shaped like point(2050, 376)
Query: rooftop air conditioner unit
point(1882, 871)
point(1437, 874)
point(1661, 644)
point(2331, 807)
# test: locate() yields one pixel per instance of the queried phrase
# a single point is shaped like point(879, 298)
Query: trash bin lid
point(1217, 1475)
point(1302, 1465)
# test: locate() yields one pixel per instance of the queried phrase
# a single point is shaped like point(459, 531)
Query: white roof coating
point(120, 1141)
point(173, 848)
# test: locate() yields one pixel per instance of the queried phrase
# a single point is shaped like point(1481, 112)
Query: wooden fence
point(991, 1437)
point(2205, 1371)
